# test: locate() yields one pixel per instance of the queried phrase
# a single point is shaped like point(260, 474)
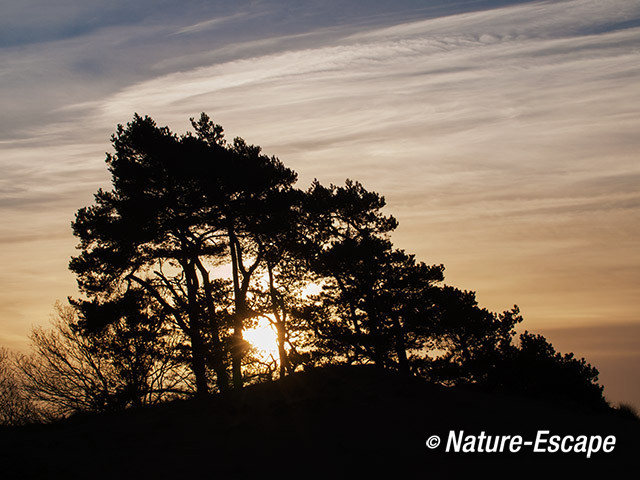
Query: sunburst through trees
point(206, 265)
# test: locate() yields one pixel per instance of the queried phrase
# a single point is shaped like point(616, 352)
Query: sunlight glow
point(263, 337)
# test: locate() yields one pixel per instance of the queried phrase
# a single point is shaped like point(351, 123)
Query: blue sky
point(502, 134)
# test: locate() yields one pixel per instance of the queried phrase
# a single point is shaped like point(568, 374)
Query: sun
point(263, 337)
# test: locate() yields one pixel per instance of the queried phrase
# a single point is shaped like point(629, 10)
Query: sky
point(503, 135)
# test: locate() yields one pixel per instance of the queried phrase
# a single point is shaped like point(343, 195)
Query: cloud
point(214, 23)
point(531, 20)
point(505, 140)
point(524, 103)
point(463, 90)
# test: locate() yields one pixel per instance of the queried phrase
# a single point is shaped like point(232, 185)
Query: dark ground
point(338, 422)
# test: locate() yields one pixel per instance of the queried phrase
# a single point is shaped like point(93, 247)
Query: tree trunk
point(281, 327)
point(401, 351)
point(218, 353)
point(198, 351)
point(237, 344)
point(198, 363)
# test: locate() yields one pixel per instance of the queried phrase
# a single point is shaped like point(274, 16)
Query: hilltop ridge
point(335, 420)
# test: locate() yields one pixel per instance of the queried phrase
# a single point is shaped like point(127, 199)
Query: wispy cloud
point(214, 23)
point(505, 140)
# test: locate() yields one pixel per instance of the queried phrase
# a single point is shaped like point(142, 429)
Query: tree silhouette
point(469, 337)
point(127, 363)
point(183, 208)
point(179, 207)
point(534, 368)
point(17, 407)
point(252, 207)
point(150, 230)
point(377, 301)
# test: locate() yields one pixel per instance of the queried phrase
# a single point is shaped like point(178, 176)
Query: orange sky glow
point(504, 139)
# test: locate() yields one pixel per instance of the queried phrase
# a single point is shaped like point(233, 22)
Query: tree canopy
point(199, 238)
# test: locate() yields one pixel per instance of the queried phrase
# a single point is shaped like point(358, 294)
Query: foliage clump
point(199, 238)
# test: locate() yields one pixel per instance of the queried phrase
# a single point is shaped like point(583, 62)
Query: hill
point(332, 422)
